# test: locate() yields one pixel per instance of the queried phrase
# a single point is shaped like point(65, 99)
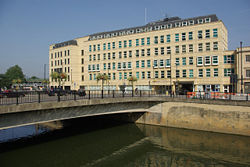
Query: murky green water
point(96, 142)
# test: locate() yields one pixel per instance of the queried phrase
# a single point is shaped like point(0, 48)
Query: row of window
point(60, 62)
point(59, 54)
point(166, 74)
point(157, 39)
point(143, 52)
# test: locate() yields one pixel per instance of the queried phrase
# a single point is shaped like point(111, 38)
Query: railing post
point(89, 94)
point(132, 93)
point(140, 93)
point(113, 93)
point(17, 99)
point(102, 94)
point(74, 95)
point(247, 97)
point(58, 96)
point(39, 98)
point(123, 92)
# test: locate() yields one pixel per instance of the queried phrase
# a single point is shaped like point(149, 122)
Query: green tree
point(60, 77)
point(4, 82)
point(102, 77)
point(15, 73)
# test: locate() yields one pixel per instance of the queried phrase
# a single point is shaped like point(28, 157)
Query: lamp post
point(241, 77)
point(176, 82)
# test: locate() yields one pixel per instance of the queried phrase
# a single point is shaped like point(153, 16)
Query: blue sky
point(28, 27)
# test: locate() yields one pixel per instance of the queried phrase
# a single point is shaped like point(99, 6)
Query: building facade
point(172, 54)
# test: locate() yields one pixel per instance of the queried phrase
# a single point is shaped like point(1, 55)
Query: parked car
point(11, 93)
point(53, 92)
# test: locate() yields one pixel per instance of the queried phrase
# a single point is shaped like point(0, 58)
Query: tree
point(102, 77)
point(132, 79)
point(4, 82)
point(16, 73)
point(59, 77)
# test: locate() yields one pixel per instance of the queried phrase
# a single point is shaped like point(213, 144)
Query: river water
point(101, 142)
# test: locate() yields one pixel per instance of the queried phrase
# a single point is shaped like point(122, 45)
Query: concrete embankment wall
point(206, 117)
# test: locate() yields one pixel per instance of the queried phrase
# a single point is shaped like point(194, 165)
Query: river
point(102, 142)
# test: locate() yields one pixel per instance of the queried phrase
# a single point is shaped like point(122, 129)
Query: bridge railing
point(44, 96)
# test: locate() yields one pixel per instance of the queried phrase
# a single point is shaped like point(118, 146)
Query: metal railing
point(44, 96)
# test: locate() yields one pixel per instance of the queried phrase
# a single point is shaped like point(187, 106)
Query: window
point(94, 57)
point(200, 34)
point(216, 73)
point(190, 35)
point(200, 21)
point(89, 49)
point(142, 41)
point(109, 66)
point(184, 61)
point(162, 39)
point(82, 61)
point(207, 20)
point(148, 52)
point(93, 67)
point(130, 43)
point(156, 51)
point(200, 73)
point(156, 74)
point(120, 44)
point(228, 72)
point(125, 75)
point(161, 63)
point(183, 48)
point(142, 63)
point(200, 48)
point(148, 40)
point(82, 77)
point(177, 61)
point(177, 24)
point(177, 49)
point(148, 74)
point(167, 62)
point(215, 60)
point(168, 74)
point(247, 58)
point(183, 36)
point(142, 52)
point(109, 57)
point(207, 60)
point(125, 54)
point(215, 45)
point(247, 73)
point(130, 74)
point(120, 76)
point(89, 67)
point(199, 61)
point(208, 46)
point(130, 53)
point(184, 23)
point(104, 46)
point(82, 53)
point(104, 66)
point(191, 22)
point(90, 57)
point(156, 40)
point(208, 73)
point(191, 60)
point(215, 32)
point(168, 50)
point(191, 73)
point(155, 64)
point(177, 73)
point(108, 46)
point(142, 75)
point(129, 65)
point(118, 66)
point(113, 55)
point(191, 48)
point(124, 44)
point(90, 76)
point(168, 38)
point(98, 67)
point(113, 45)
point(137, 53)
point(98, 56)
point(228, 59)
point(113, 66)
point(162, 50)
point(184, 73)
point(148, 63)
point(98, 47)
point(113, 76)
point(207, 33)
point(162, 74)
point(176, 37)
point(137, 64)
point(137, 75)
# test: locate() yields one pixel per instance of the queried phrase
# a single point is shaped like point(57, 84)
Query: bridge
point(226, 116)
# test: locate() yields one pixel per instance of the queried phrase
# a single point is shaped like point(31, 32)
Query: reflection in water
point(100, 142)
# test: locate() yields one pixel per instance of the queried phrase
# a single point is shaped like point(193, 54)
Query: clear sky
point(28, 27)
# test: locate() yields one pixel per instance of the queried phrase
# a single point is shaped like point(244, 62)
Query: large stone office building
point(170, 54)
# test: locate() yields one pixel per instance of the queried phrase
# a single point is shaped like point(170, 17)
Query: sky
point(28, 27)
